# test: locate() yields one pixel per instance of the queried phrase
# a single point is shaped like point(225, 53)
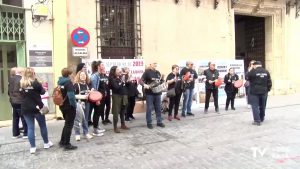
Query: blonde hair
point(77, 77)
point(27, 78)
point(13, 71)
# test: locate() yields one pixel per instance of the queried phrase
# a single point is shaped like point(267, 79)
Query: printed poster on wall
point(222, 66)
point(136, 66)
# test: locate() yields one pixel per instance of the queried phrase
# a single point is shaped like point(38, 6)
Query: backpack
point(57, 96)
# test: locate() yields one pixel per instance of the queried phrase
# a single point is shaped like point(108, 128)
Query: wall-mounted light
point(176, 1)
point(216, 4)
point(198, 2)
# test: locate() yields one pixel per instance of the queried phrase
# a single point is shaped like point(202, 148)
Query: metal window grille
point(12, 26)
point(118, 28)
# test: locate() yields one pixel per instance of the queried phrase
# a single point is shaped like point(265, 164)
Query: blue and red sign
point(80, 37)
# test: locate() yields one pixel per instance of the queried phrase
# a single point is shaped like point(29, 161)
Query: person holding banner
point(190, 75)
point(211, 74)
point(151, 80)
point(230, 89)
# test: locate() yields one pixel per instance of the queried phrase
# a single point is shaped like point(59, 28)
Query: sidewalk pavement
point(208, 141)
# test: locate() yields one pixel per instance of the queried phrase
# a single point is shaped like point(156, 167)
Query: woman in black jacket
point(172, 80)
point(132, 93)
point(230, 90)
point(119, 96)
point(30, 107)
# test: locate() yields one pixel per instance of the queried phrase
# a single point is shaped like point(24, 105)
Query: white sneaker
point(249, 106)
point(77, 137)
point(32, 150)
point(100, 130)
point(15, 137)
point(25, 137)
point(88, 136)
point(97, 133)
point(48, 145)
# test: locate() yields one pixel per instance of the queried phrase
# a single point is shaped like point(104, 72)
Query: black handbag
point(171, 92)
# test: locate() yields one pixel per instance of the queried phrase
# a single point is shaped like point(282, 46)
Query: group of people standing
point(25, 96)
point(258, 84)
point(120, 89)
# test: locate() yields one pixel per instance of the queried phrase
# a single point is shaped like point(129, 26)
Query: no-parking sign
point(80, 37)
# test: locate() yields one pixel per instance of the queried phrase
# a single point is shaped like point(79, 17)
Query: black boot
point(116, 130)
point(232, 104)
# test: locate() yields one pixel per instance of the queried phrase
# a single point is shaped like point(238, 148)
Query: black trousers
point(105, 105)
point(174, 102)
point(92, 108)
point(215, 96)
point(130, 107)
point(16, 119)
point(230, 99)
point(97, 114)
point(69, 114)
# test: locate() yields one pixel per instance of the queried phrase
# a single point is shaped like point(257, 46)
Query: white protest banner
point(222, 66)
point(136, 66)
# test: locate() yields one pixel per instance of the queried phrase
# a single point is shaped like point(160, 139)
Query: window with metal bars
point(117, 27)
point(12, 26)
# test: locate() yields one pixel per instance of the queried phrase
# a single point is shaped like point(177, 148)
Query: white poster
point(136, 66)
point(222, 66)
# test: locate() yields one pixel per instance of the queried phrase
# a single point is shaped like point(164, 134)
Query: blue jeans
point(187, 101)
point(30, 124)
point(16, 119)
point(258, 104)
point(80, 119)
point(153, 101)
point(87, 112)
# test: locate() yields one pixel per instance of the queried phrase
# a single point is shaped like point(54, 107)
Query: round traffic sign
point(80, 37)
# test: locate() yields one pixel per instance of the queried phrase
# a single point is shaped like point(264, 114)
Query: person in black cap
point(260, 85)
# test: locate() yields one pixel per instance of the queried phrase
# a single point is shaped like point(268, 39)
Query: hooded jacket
point(260, 81)
point(32, 98)
point(68, 92)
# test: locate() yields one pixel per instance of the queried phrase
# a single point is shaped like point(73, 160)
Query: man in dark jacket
point(211, 75)
point(189, 89)
point(16, 100)
point(260, 85)
point(151, 79)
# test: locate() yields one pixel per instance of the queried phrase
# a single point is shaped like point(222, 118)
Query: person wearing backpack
point(68, 108)
point(30, 107)
point(82, 89)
